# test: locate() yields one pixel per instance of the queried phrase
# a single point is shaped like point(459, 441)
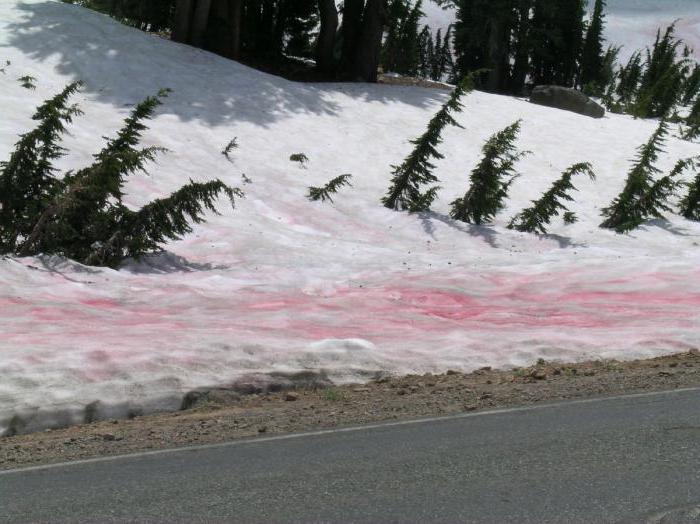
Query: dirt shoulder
point(220, 415)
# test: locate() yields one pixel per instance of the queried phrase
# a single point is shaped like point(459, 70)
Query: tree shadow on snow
point(486, 233)
point(165, 262)
point(109, 56)
point(667, 226)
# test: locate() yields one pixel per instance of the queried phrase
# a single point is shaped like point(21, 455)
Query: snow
point(283, 284)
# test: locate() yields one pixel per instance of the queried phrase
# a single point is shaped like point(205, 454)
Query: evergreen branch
point(27, 82)
point(230, 148)
point(324, 193)
point(168, 218)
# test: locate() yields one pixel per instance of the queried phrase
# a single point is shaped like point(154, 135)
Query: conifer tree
point(692, 122)
point(491, 179)
point(690, 205)
point(27, 179)
point(536, 218)
point(405, 192)
point(629, 77)
point(692, 86)
point(644, 197)
point(325, 193)
point(427, 51)
point(661, 84)
point(592, 56)
point(82, 215)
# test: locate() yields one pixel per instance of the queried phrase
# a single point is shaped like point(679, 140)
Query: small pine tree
point(491, 179)
point(27, 179)
point(690, 205)
point(535, 219)
point(331, 188)
point(692, 122)
point(81, 215)
point(416, 170)
point(643, 197)
point(692, 87)
point(629, 77)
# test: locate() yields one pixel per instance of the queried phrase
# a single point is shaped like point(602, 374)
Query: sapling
point(82, 215)
point(406, 190)
point(491, 179)
point(536, 218)
point(644, 197)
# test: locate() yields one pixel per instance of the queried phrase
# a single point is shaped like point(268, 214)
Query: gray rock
point(566, 99)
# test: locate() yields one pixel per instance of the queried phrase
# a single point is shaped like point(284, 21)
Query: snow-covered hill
point(284, 284)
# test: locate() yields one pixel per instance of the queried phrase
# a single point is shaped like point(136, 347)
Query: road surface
point(626, 459)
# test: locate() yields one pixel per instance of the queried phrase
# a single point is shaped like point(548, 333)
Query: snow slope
point(284, 284)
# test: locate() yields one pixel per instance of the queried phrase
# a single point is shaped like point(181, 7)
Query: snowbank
point(284, 284)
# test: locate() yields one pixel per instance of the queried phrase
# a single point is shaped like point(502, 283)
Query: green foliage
point(230, 148)
point(405, 192)
point(401, 52)
point(690, 204)
point(692, 87)
point(81, 215)
point(592, 56)
point(331, 188)
point(536, 218)
point(692, 122)
point(644, 197)
point(299, 158)
point(661, 84)
point(27, 178)
point(491, 179)
point(27, 82)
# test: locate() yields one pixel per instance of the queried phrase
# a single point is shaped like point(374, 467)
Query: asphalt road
point(631, 460)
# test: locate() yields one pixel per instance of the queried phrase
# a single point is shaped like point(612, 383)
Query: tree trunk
point(369, 46)
point(200, 22)
point(235, 16)
point(325, 45)
point(350, 32)
point(182, 21)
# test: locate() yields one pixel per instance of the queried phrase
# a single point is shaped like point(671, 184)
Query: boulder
point(566, 99)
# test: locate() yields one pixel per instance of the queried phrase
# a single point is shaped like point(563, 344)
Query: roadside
point(221, 415)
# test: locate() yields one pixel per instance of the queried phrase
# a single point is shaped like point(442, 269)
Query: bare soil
point(221, 415)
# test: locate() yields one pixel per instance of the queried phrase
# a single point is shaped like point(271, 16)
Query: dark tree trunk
point(182, 21)
point(200, 22)
point(522, 54)
point(235, 16)
point(369, 47)
point(351, 29)
point(497, 55)
point(325, 46)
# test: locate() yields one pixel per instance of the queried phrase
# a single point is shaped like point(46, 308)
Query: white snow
point(284, 284)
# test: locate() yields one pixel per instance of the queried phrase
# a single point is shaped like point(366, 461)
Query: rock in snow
point(566, 99)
